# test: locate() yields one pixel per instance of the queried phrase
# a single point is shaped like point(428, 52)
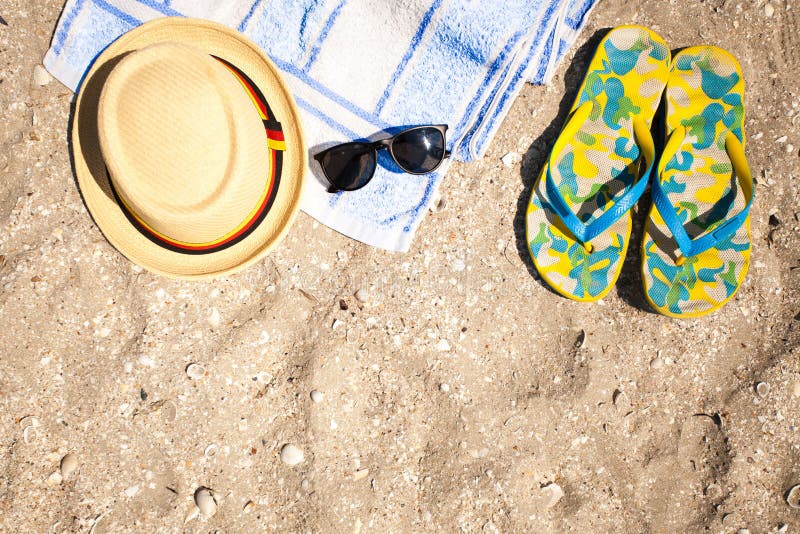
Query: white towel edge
point(568, 35)
point(61, 70)
point(390, 240)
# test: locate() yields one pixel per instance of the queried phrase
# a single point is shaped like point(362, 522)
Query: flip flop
point(578, 223)
point(696, 246)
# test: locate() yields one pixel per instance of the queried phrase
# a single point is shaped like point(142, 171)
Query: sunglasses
point(350, 166)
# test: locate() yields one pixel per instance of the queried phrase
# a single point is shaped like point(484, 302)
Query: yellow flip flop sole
point(696, 245)
point(578, 222)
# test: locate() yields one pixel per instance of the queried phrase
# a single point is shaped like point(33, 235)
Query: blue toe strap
point(691, 247)
point(586, 232)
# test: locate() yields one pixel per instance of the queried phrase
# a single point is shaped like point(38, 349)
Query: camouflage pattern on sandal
point(601, 161)
point(704, 96)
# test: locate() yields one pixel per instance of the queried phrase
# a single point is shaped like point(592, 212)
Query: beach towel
point(361, 68)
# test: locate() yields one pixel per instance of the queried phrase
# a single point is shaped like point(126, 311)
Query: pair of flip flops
point(696, 245)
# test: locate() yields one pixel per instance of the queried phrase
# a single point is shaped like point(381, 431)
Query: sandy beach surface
point(442, 390)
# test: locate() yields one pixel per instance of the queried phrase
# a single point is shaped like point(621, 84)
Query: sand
point(457, 393)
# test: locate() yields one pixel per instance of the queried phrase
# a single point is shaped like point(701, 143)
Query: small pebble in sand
point(769, 10)
point(54, 479)
point(553, 493)
point(361, 473)
point(69, 463)
point(40, 76)
point(439, 203)
point(796, 389)
point(361, 295)
point(132, 491)
point(195, 371)
point(713, 491)
point(304, 484)
point(656, 363)
point(511, 159)
point(793, 497)
point(205, 502)
point(291, 454)
point(248, 507)
point(317, 396)
point(444, 388)
point(443, 346)
point(782, 139)
point(789, 148)
point(762, 388)
point(214, 318)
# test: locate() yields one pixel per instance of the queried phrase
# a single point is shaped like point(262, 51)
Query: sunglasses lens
point(419, 150)
point(349, 166)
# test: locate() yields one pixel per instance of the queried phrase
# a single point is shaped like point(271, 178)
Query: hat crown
point(184, 144)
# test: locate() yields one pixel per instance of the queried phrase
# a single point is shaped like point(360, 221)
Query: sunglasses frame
point(380, 144)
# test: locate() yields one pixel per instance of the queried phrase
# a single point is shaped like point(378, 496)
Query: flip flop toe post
point(578, 222)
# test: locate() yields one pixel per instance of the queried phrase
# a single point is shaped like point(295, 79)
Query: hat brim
point(92, 175)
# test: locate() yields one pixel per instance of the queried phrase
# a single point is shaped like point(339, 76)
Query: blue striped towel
point(360, 68)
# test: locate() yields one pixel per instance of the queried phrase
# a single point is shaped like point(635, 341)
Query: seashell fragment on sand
point(291, 454)
point(205, 502)
point(69, 463)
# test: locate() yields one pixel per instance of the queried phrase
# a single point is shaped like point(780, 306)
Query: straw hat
point(188, 148)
